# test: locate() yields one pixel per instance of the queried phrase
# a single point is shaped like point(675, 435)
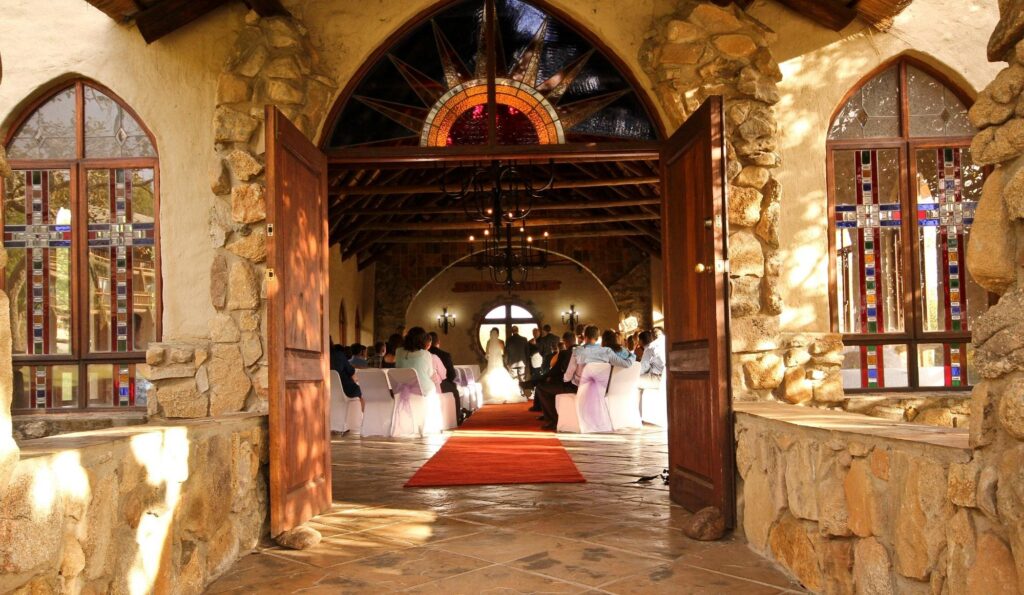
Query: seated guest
point(611, 339)
point(536, 360)
point(652, 362)
point(413, 354)
point(631, 344)
point(358, 359)
point(580, 329)
point(393, 344)
point(555, 370)
point(589, 352)
point(341, 365)
point(376, 359)
point(548, 345)
point(446, 373)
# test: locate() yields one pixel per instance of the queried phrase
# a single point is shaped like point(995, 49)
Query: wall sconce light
point(445, 320)
point(571, 318)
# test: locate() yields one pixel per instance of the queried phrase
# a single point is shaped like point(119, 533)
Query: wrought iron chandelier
point(500, 197)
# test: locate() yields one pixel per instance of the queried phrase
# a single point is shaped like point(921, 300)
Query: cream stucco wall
point(579, 287)
point(819, 66)
point(170, 84)
point(355, 288)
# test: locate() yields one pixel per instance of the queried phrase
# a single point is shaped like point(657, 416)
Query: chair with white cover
point(467, 394)
point(654, 405)
point(354, 419)
point(586, 411)
point(476, 389)
point(339, 404)
point(623, 398)
point(410, 408)
point(380, 405)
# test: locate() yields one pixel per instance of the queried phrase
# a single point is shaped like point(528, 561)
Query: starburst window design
point(491, 72)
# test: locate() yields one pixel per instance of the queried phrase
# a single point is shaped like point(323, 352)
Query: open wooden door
point(297, 319)
point(695, 254)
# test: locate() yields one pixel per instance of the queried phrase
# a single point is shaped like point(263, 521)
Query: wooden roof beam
point(834, 14)
point(436, 188)
point(268, 8)
point(534, 224)
point(170, 15)
point(557, 206)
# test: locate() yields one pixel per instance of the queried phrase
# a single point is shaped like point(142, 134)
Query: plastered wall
point(819, 66)
point(578, 287)
point(355, 289)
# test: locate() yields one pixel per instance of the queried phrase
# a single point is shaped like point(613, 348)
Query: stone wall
point(849, 513)
point(158, 508)
point(704, 50)
point(31, 427)
point(273, 62)
point(8, 448)
point(406, 269)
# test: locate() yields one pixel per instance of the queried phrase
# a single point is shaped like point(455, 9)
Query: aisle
point(499, 444)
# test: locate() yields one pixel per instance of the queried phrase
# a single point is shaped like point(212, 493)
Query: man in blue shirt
point(652, 363)
point(588, 352)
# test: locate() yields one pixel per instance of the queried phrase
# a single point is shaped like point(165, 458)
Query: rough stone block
point(252, 247)
point(243, 287)
point(745, 297)
point(248, 204)
point(861, 499)
point(872, 568)
point(793, 543)
point(994, 570)
point(714, 19)
point(754, 333)
point(744, 206)
point(229, 384)
point(922, 516)
point(219, 281)
point(167, 371)
point(181, 399)
point(231, 126)
point(681, 53)
point(765, 372)
point(243, 165)
point(992, 249)
point(223, 329)
point(963, 484)
point(746, 257)
point(232, 88)
point(830, 390)
point(795, 387)
point(801, 469)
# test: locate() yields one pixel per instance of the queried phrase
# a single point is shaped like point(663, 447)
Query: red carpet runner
point(484, 452)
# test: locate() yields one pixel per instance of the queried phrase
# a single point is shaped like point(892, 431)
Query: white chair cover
point(653, 404)
point(586, 411)
point(379, 404)
point(623, 398)
point(339, 405)
point(410, 416)
point(354, 419)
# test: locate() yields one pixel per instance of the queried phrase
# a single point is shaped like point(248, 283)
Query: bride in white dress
point(498, 384)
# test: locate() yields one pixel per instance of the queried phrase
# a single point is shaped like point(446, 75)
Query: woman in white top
point(413, 354)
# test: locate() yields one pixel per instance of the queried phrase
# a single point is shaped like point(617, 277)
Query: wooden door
point(695, 255)
point(297, 335)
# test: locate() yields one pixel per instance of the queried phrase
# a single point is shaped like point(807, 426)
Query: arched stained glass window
point(503, 318)
point(491, 72)
point(80, 230)
point(902, 193)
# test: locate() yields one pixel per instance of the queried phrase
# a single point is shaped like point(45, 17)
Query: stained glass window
point(82, 270)
point(503, 318)
point(903, 191)
point(492, 71)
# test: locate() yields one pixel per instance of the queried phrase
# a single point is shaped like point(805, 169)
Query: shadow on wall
point(138, 510)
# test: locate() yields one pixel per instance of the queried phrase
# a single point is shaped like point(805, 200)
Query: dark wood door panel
point(695, 253)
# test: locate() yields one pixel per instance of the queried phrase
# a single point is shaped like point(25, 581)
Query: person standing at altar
point(548, 346)
point(517, 355)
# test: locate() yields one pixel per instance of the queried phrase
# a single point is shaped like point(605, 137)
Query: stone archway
point(273, 62)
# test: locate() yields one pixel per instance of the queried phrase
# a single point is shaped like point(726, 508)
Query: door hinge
point(270, 230)
point(270, 273)
point(722, 266)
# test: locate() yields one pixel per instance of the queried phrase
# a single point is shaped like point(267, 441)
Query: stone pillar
point(275, 63)
point(703, 50)
point(995, 256)
point(8, 448)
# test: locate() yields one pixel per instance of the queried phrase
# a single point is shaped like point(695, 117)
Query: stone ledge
point(911, 395)
point(77, 440)
point(953, 439)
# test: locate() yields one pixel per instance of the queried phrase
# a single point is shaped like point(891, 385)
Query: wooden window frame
point(913, 334)
point(77, 167)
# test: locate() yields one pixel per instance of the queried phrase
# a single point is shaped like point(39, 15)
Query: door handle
point(700, 268)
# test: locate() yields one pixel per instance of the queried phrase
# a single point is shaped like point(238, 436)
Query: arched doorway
point(390, 191)
point(504, 318)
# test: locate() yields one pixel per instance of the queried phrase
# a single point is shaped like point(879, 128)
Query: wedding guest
point(376, 359)
point(358, 359)
point(580, 329)
point(341, 365)
point(536, 335)
point(413, 354)
point(652, 363)
point(589, 352)
point(556, 369)
point(517, 355)
point(548, 345)
point(448, 376)
point(611, 339)
point(393, 344)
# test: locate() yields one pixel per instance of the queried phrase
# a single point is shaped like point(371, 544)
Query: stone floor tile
point(339, 549)
point(497, 579)
point(497, 545)
point(652, 540)
point(427, 532)
point(586, 563)
point(407, 568)
point(256, 569)
point(567, 524)
point(679, 579)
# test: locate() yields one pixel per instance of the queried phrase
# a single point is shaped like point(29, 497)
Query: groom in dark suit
point(448, 382)
point(517, 354)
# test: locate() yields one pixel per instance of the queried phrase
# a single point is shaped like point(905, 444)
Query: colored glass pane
point(426, 90)
point(37, 236)
point(49, 133)
point(45, 387)
point(945, 365)
point(122, 267)
point(934, 109)
point(110, 130)
point(873, 111)
point(117, 385)
point(869, 253)
point(948, 188)
point(875, 366)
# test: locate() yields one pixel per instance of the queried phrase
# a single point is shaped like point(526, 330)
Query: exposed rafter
point(157, 18)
